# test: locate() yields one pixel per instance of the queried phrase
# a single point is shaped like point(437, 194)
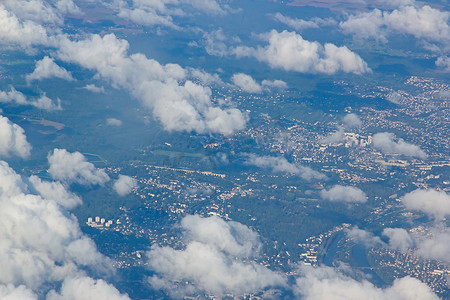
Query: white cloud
point(24, 34)
point(423, 23)
point(324, 283)
point(10, 292)
point(351, 121)
point(205, 78)
point(13, 139)
point(124, 185)
point(281, 165)
point(113, 122)
point(274, 84)
point(433, 203)
point(384, 141)
point(399, 238)
point(211, 263)
point(40, 242)
point(178, 106)
point(365, 237)
point(161, 12)
point(336, 137)
point(341, 193)
point(290, 52)
point(94, 88)
point(299, 24)
point(443, 62)
point(16, 97)
point(55, 191)
point(434, 244)
point(47, 68)
point(73, 167)
point(86, 288)
point(246, 83)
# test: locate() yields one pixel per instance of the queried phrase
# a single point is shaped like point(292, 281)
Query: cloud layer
point(340, 193)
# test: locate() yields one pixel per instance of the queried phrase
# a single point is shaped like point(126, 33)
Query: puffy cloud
point(178, 106)
point(124, 185)
point(212, 261)
point(161, 12)
point(423, 23)
point(365, 237)
point(336, 137)
point(55, 191)
point(289, 51)
point(341, 193)
point(84, 288)
point(73, 167)
point(324, 283)
point(384, 141)
point(246, 83)
point(352, 121)
point(274, 84)
point(399, 238)
point(433, 203)
point(47, 68)
point(281, 165)
point(16, 97)
point(434, 244)
point(40, 242)
point(443, 62)
point(25, 34)
point(10, 292)
point(113, 122)
point(94, 88)
point(299, 24)
point(204, 77)
point(13, 139)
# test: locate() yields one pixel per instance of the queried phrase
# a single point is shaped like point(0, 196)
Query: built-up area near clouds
point(43, 252)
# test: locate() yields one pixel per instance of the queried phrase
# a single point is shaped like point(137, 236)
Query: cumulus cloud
point(364, 237)
point(47, 68)
point(178, 106)
point(74, 167)
point(443, 62)
point(113, 122)
point(212, 261)
point(55, 191)
point(281, 165)
point(425, 23)
point(274, 84)
point(336, 137)
point(351, 121)
point(124, 185)
point(385, 142)
point(246, 83)
point(161, 12)
point(82, 288)
point(18, 98)
point(24, 34)
point(433, 203)
point(13, 139)
point(10, 292)
point(40, 242)
point(94, 88)
point(434, 244)
point(324, 283)
point(341, 193)
point(290, 52)
point(399, 238)
point(299, 24)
